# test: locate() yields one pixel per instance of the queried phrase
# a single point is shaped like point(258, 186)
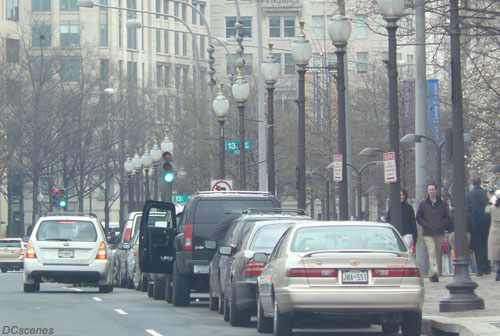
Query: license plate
point(66, 253)
point(355, 277)
point(201, 269)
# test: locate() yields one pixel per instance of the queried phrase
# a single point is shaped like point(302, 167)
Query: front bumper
point(331, 301)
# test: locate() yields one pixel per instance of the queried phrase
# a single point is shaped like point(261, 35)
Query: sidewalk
point(467, 323)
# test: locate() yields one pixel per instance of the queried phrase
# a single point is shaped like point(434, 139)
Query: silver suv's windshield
point(10, 243)
point(67, 230)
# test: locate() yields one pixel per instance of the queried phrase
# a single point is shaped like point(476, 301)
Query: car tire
point(129, 281)
point(158, 287)
point(220, 309)
point(4, 270)
point(137, 279)
point(150, 288)
point(264, 324)
point(116, 275)
point(226, 308)
point(29, 288)
point(106, 288)
point(213, 302)
point(123, 279)
point(144, 282)
point(237, 318)
point(412, 324)
point(180, 288)
point(168, 288)
point(388, 329)
point(281, 323)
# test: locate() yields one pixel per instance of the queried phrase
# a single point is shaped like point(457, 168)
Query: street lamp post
point(270, 70)
point(241, 91)
point(147, 161)
point(156, 157)
point(462, 296)
point(137, 164)
point(339, 30)
point(168, 146)
point(358, 174)
point(301, 53)
point(392, 10)
point(221, 108)
point(129, 169)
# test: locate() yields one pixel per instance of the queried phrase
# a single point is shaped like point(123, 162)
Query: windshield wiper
point(59, 239)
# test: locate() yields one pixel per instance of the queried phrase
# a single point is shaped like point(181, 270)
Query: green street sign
point(181, 199)
point(235, 145)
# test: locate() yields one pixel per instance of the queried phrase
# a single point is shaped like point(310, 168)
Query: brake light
point(126, 236)
point(312, 272)
point(188, 237)
point(396, 272)
point(136, 252)
point(254, 267)
point(102, 254)
point(30, 253)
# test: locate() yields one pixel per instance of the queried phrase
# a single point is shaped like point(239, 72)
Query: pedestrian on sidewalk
point(409, 225)
point(493, 208)
point(476, 201)
point(432, 216)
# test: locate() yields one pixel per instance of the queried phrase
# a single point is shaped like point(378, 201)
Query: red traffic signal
point(167, 156)
point(55, 190)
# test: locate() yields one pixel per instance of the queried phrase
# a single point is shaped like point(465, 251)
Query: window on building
point(231, 30)
point(103, 35)
point(12, 50)
point(362, 62)
point(361, 26)
point(132, 72)
point(159, 75)
point(202, 47)
point(176, 9)
point(132, 38)
point(178, 70)
point(166, 82)
point(318, 26)
point(289, 65)
point(12, 10)
point(41, 35)
point(184, 44)
point(231, 62)
point(274, 26)
point(202, 8)
point(69, 35)
point(289, 26)
point(277, 58)
point(104, 68)
point(158, 40)
point(185, 76)
point(410, 66)
point(184, 12)
point(317, 61)
point(194, 15)
point(332, 60)
point(40, 5)
point(70, 69)
point(68, 5)
point(176, 43)
point(166, 42)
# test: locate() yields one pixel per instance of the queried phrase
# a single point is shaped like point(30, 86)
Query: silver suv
point(11, 254)
point(68, 248)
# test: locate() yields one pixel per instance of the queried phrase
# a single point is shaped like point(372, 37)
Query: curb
point(433, 325)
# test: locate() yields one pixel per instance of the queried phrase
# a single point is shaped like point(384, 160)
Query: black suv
point(179, 253)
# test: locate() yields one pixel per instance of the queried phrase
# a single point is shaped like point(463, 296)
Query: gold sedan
point(357, 272)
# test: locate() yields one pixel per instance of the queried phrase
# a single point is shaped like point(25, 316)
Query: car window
point(346, 238)
point(267, 237)
point(10, 243)
point(66, 230)
point(214, 211)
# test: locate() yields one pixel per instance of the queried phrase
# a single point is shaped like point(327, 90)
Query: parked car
point(361, 272)
point(120, 254)
point(241, 282)
point(69, 248)
point(219, 265)
point(11, 254)
point(194, 246)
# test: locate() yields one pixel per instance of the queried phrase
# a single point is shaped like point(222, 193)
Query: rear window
point(267, 237)
point(10, 243)
point(346, 238)
point(66, 230)
point(212, 212)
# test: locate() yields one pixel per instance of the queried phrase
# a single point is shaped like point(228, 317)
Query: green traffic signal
point(169, 177)
point(62, 203)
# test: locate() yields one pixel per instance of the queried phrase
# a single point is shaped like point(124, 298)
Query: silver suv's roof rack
point(250, 211)
point(67, 213)
point(233, 192)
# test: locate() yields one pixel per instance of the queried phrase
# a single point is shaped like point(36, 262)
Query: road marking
point(152, 332)
point(96, 298)
point(75, 289)
point(119, 311)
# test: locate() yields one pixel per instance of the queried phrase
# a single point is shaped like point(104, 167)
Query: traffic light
point(62, 197)
point(169, 175)
point(55, 196)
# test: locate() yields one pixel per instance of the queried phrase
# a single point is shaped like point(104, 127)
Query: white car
point(68, 249)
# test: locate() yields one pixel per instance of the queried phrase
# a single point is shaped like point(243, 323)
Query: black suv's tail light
point(188, 237)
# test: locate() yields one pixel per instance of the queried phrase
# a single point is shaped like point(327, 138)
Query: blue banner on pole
point(434, 112)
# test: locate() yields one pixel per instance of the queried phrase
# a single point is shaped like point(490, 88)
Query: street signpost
point(390, 167)
point(234, 146)
point(337, 167)
point(181, 199)
point(221, 185)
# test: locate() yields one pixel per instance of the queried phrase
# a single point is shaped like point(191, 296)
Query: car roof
point(342, 223)
point(233, 194)
point(260, 224)
point(70, 217)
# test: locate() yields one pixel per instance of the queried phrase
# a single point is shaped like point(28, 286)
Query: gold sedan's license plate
point(355, 276)
point(66, 253)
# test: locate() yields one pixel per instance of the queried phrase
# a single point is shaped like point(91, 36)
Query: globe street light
point(339, 30)
point(392, 11)
point(137, 164)
point(147, 161)
point(155, 157)
point(301, 54)
point(221, 108)
point(168, 146)
point(241, 91)
point(270, 70)
point(129, 169)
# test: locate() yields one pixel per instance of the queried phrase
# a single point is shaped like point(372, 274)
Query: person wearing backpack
point(476, 201)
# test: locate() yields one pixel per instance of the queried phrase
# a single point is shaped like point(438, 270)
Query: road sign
point(390, 175)
point(181, 199)
point(234, 146)
point(337, 167)
point(221, 185)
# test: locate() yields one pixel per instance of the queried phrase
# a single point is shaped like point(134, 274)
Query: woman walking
point(493, 208)
point(409, 225)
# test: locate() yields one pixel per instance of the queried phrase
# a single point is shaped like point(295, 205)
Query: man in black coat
point(476, 201)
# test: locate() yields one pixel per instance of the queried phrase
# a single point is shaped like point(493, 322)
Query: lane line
point(152, 332)
point(119, 311)
point(96, 298)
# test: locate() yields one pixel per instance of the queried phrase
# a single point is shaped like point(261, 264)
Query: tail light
point(102, 254)
point(136, 252)
point(188, 237)
point(30, 253)
point(312, 272)
point(254, 267)
point(396, 272)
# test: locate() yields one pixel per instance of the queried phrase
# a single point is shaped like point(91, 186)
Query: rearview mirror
point(260, 257)
point(225, 250)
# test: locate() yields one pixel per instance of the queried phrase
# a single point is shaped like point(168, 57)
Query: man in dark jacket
point(476, 201)
point(432, 216)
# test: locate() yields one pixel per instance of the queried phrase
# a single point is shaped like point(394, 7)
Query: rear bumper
point(11, 264)
point(353, 301)
point(99, 272)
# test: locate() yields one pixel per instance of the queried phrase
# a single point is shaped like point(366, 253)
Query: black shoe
point(434, 278)
point(479, 274)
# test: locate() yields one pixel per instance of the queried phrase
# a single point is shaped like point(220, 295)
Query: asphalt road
point(66, 311)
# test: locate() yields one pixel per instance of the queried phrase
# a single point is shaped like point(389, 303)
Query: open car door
point(156, 237)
